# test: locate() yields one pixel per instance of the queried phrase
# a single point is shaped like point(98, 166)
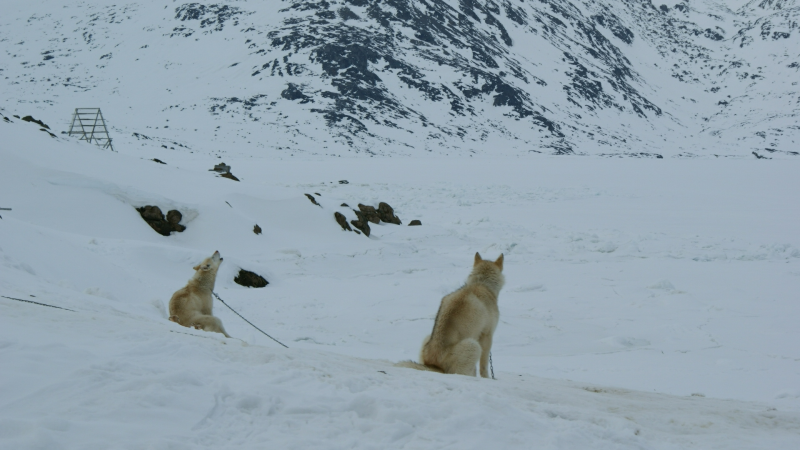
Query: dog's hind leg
point(486, 348)
point(209, 323)
point(422, 349)
point(463, 357)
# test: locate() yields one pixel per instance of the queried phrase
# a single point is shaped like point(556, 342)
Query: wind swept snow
point(649, 303)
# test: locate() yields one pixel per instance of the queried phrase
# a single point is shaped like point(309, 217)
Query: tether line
point(37, 303)
point(251, 323)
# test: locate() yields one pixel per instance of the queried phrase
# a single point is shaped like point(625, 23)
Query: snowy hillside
point(649, 304)
point(413, 77)
point(652, 283)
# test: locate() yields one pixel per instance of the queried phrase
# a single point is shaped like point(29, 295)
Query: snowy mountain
point(403, 77)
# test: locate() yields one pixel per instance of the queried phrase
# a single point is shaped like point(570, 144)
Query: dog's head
point(487, 272)
point(210, 263)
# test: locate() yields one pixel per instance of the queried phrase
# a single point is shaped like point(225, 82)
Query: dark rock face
point(386, 213)
point(155, 218)
point(229, 176)
point(292, 92)
point(250, 279)
point(414, 222)
point(347, 65)
point(342, 221)
point(397, 39)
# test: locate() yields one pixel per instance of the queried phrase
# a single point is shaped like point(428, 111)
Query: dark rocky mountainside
point(406, 77)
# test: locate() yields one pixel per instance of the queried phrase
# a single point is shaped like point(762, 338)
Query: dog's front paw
point(174, 319)
point(197, 327)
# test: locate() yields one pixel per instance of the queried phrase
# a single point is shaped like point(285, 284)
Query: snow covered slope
point(649, 303)
point(412, 77)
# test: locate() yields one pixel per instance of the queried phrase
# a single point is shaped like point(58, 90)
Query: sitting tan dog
point(191, 305)
point(464, 326)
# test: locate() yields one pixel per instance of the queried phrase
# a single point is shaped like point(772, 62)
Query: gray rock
point(342, 221)
point(386, 214)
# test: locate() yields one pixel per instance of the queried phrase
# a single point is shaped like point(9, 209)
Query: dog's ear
point(477, 258)
point(499, 262)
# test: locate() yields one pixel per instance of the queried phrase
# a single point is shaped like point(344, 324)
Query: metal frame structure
point(88, 123)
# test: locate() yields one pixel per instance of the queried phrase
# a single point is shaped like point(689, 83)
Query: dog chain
point(251, 323)
point(491, 366)
point(37, 303)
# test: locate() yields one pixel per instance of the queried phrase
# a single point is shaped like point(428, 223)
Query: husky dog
point(464, 326)
point(191, 305)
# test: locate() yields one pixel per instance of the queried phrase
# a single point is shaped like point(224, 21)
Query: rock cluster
point(250, 279)
point(155, 218)
point(367, 214)
point(224, 171)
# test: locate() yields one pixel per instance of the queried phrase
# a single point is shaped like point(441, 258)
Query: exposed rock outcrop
point(342, 221)
point(250, 279)
point(369, 213)
point(163, 226)
point(313, 200)
point(39, 122)
point(386, 213)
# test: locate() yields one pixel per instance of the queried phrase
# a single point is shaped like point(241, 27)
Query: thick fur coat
point(191, 305)
point(465, 324)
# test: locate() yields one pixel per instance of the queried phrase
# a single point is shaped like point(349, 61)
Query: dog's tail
point(415, 365)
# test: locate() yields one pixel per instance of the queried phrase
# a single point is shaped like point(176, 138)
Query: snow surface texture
point(618, 78)
point(649, 304)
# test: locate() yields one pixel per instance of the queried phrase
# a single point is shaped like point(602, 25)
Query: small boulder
point(221, 168)
point(150, 213)
point(229, 176)
point(173, 218)
point(313, 200)
point(386, 214)
point(155, 218)
point(414, 222)
point(342, 221)
point(250, 279)
point(257, 229)
point(362, 223)
point(369, 213)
